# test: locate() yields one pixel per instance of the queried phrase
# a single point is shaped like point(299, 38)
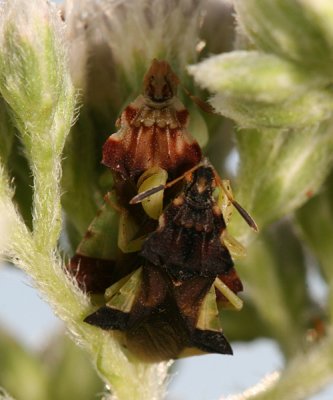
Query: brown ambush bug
point(169, 307)
point(165, 281)
point(153, 130)
point(151, 146)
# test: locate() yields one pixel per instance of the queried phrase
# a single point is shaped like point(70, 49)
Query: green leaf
point(299, 31)
point(254, 76)
point(261, 90)
point(311, 108)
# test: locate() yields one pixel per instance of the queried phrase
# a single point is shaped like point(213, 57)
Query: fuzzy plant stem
point(36, 85)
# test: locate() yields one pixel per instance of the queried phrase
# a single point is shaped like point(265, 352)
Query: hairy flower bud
point(299, 31)
point(33, 78)
point(259, 90)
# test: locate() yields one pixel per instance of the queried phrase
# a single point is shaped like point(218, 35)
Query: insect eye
point(150, 90)
point(166, 91)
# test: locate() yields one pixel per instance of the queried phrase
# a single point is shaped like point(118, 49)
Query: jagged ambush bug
point(165, 263)
point(169, 307)
point(151, 147)
point(153, 130)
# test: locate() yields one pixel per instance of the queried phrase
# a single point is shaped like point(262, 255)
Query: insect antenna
point(142, 196)
point(246, 216)
point(203, 105)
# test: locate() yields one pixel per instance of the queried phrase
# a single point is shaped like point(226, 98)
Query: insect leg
point(229, 294)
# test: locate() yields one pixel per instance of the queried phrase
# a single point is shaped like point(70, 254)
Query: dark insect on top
point(187, 242)
point(170, 304)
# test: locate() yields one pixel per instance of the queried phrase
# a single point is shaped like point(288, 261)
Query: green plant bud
point(309, 109)
point(254, 76)
point(261, 90)
point(299, 31)
point(33, 78)
point(279, 168)
point(36, 84)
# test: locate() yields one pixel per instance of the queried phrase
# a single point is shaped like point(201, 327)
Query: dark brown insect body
point(181, 261)
point(187, 242)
